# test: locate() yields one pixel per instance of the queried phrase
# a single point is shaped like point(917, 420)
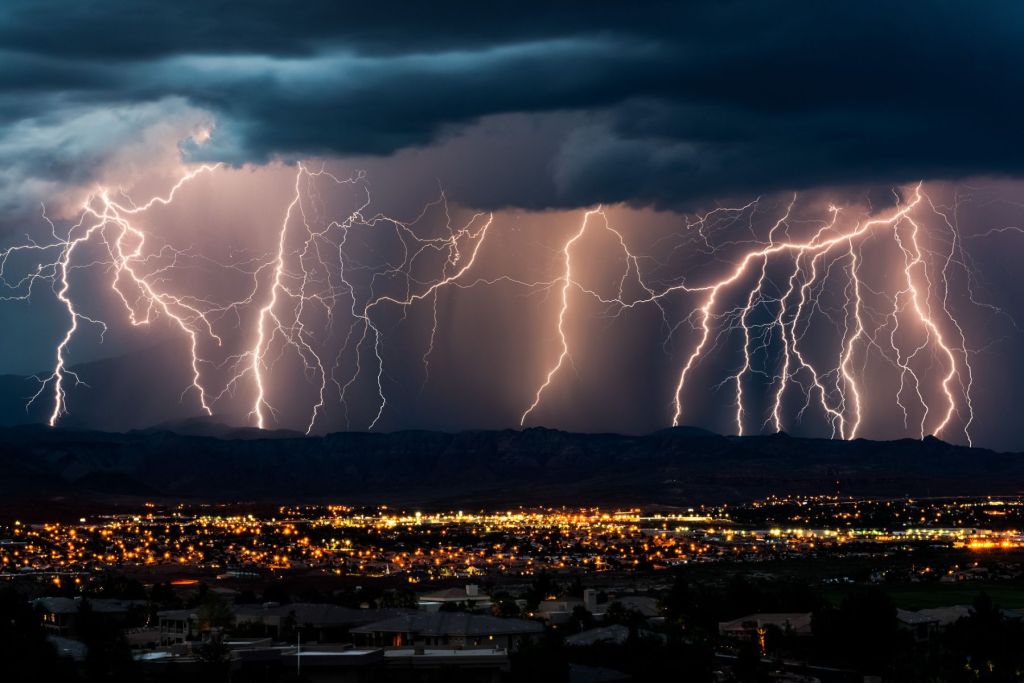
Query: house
point(445, 666)
point(447, 629)
point(579, 673)
point(177, 625)
point(945, 616)
point(259, 659)
point(317, 621)
point(919, 625)
point(616, 634)
point(754, 625)
point(60, 615)
point(470, 596)
point(641, 604)
point(143, 637)
point(340, 664)
point(558, 610)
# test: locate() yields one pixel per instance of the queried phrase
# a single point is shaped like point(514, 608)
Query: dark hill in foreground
point(672, 467)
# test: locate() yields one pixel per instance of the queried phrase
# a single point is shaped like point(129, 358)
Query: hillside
point(672, 467)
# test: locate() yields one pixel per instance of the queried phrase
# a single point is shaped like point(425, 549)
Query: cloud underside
point(665, 107)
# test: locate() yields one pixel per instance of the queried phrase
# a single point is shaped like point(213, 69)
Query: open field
point(915, 596)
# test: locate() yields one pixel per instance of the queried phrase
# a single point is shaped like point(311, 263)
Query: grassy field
point(1006, 594)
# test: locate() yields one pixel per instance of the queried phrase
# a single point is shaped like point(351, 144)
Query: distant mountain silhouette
point(672, 467)
point(130, 391)
point(214, 427)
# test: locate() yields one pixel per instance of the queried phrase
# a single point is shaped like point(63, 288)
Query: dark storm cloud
point(676, 102)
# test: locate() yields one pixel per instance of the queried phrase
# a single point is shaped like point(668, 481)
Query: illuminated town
point(426, 546)
point(382, 593)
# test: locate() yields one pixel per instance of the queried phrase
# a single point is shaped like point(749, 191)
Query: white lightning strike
point(312, 279)
point(108, 222)
point(295, 286)
point(303, 282)
point(809, 266)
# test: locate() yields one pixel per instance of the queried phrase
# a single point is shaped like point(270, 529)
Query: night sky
point(381, 217)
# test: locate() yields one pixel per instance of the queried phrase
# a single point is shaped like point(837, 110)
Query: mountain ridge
point(680, 466)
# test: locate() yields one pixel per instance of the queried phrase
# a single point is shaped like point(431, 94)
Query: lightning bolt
point(772, 294)
point(809, 267)
point(108, 222)
point(568, 283)
point(297, 285)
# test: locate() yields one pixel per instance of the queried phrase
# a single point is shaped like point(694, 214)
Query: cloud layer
point(666, 104)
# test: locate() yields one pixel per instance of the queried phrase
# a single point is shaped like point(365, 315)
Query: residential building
point(448, 629)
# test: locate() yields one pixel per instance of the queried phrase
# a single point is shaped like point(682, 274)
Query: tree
point(275, 592)
point(504, 605)
point(215, 613)
point(542, 587)
point(404, 598)
point(862, 633)
point(748, 662)
point(540, 660)
point(108, 657)
point(984, 646)
point(581, 619)
point(741, 597)
point(25, 652)
point(215, 658)
point(678, 603)
point(162, 594)
point(617, 613)
point(119, 586)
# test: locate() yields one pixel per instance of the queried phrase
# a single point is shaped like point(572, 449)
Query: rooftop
point(798, 622)
point(616, 633)
point(61, 605)
point(451, 624)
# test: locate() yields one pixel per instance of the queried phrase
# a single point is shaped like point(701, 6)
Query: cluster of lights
point(425, 546)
